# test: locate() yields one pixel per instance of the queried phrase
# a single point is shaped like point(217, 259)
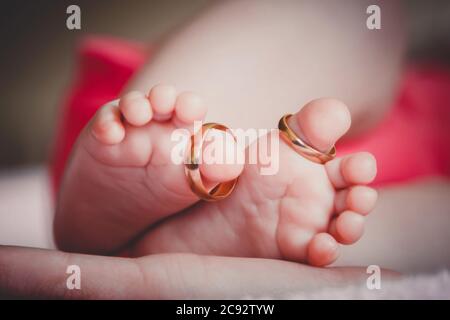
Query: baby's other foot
point(300, 213)
point(122, 178)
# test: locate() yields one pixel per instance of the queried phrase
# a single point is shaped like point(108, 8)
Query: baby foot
point(121, 178)
point(299, 214)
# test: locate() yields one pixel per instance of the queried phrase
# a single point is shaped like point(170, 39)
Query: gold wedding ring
point(300, 146)
point(192, 168)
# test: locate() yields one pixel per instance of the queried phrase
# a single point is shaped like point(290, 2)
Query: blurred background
point(37, 56)
point(37, 59)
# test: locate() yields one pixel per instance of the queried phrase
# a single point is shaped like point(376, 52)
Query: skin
point(287, 215)
point(113, 165)
point(299, 214)
point(122, 173)
point(268, 62)
point(165, 276)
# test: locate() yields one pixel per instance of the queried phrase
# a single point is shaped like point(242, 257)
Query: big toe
point(321, 123)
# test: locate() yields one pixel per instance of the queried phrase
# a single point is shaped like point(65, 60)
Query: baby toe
point(321, 122)
point(298, 223)
point(358, 168)
point(348, 227)
point(106, 126)
point(322, 250)
point(361, 199)
point(189, 107)
point(135, 108)
point(162, 100)
point(293, 242)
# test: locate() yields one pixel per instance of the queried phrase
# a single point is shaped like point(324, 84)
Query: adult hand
point(39, 273)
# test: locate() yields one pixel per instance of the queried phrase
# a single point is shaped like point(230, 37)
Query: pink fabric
point(413, 140)
point(103, 68)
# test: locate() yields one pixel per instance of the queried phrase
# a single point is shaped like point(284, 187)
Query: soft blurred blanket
point(413, 287)
point(25, 208)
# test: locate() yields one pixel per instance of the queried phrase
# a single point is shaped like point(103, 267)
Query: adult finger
point(38, 273)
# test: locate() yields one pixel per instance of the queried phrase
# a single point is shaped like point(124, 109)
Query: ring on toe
point(300, 146)
point(192, 168)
